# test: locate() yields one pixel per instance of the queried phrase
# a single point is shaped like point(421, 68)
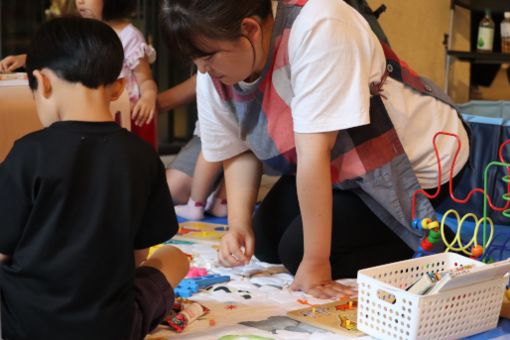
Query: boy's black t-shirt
point(75, 200)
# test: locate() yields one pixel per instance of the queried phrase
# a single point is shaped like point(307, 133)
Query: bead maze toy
point(339, 317)
point(188, 287)
point(435, 231)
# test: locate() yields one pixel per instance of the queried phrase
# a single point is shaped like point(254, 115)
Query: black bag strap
point(370, 16)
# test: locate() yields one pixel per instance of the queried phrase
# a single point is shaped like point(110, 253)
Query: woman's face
point(92, 9)
point(227, 61)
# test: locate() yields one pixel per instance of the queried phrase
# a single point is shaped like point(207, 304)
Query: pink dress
point(135, 48)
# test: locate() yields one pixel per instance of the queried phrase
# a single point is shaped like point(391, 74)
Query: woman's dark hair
point(184, 20)
point(78, 50)
point(118, 9)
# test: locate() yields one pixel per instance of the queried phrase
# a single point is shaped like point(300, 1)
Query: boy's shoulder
point(52, 138)
point(25, 151)
point(30, 140)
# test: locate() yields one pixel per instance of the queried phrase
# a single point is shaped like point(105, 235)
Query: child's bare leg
point(179, 184)
point(218, 206)
point(204, 178)
point(171, 262)
point(206, 174)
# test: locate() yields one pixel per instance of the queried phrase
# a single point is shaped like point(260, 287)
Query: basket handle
point(386, 296)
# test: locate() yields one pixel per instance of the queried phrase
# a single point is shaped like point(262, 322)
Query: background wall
point(416, 28)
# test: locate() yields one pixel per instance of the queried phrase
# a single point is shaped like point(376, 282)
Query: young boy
point(80, 199)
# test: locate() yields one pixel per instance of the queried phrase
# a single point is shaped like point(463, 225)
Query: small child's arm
point(180, 94)
point(145, 108)
point(12, 62)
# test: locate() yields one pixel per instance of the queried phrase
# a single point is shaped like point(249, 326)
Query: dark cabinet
point(496, 6)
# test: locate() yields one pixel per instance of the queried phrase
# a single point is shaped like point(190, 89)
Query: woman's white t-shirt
point(333, 57)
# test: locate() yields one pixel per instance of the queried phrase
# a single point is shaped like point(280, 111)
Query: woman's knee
point(290, 254)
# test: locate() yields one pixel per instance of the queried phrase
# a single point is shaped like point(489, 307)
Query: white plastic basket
point(387, 311)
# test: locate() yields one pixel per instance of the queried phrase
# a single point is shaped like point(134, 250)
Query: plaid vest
point(368, 160)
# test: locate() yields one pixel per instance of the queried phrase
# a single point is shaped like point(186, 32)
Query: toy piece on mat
point(188, 287)
point(339, 317)
point(202, 232)
point(196, 272)
point(347, 323)
point(184, 312)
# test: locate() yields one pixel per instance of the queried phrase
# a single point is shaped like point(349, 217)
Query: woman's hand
point(236, 247)
point(144, 110)
point(12, 62)
point(314, 278)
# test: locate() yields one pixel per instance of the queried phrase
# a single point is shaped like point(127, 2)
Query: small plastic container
point(485, 40)
point(505, 33)
point(387, 311)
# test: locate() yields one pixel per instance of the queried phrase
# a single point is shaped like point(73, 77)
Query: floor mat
point(254, 304)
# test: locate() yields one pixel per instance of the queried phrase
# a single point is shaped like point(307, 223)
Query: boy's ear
point(117, 88)
point(43, 83)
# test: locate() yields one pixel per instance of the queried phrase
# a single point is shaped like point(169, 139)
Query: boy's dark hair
point(183, 21)
point(78, 50)
point(118, 9)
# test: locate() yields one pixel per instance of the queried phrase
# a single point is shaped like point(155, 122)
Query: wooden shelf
point(480, 57)
point(481, 5)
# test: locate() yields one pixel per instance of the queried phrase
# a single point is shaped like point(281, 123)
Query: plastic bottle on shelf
point(485, 39)
point(505, 33)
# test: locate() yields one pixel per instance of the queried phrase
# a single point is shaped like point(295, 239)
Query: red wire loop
point(450, 184)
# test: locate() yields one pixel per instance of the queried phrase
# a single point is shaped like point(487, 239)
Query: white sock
point(191, 211)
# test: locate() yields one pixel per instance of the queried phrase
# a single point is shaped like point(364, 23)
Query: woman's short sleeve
point(219, 130)
point(332, 62)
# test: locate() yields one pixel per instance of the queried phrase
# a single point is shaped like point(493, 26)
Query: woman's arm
point(3, 257)
point(145, 108)
point(314, 189)
point(180, 94)
point(242, 179)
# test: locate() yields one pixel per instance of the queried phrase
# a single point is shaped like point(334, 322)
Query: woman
point(313, 94)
